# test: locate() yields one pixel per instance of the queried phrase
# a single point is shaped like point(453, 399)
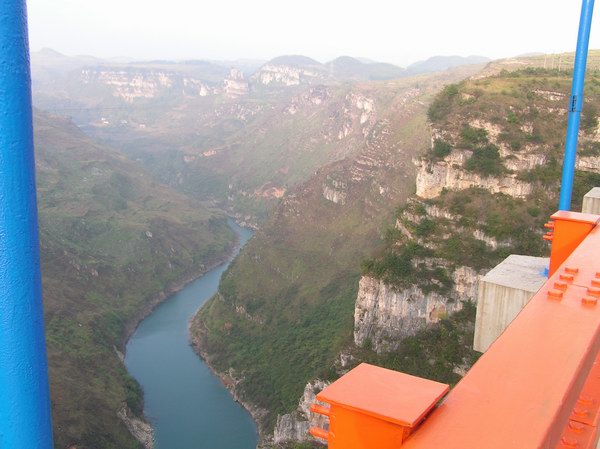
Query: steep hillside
point(487, 173)
point(483, 191)
point(114, 242)
point(215, 133)
point(240, 148)
point(285, 306)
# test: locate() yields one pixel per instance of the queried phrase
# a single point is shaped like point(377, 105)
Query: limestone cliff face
point(294, 426)
point(315, 96)
point(434, 176)
point(286, 75)
point(383, 314)
point(335, 191)
point(589, 163)
point(132, 84)
point(235, 85)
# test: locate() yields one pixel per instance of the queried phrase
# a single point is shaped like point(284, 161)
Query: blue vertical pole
point(576, 104)
point(24, 394)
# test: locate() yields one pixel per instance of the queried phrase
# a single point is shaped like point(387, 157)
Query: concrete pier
point(591, 202)
point(503, 292)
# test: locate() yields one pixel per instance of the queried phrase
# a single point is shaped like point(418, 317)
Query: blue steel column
point(24, 394)
point(576, 104)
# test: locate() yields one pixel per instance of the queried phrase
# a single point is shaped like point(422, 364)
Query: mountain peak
point(440, 63)
point(295, 60)
point(50, 53)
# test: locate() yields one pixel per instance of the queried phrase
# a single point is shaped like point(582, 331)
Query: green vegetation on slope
point(112, 240)
point(512, 119)
point(262, 324)
point(285, 307)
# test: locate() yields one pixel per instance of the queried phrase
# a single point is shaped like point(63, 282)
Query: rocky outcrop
point(294, 426)
point(433, 177)
point(140, 429)
point(286, 75)
point(383, 315)
point(315, 96)
point(588, 163)
point(132, 84)
point(335, 191)
point(522, 161)
point(235, 85)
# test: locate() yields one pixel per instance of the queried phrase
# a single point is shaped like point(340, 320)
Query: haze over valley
point(374, 196)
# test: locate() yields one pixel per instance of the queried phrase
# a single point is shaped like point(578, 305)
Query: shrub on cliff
point(442, 105)
point(486, 161)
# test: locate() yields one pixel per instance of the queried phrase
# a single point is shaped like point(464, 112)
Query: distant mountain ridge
point(352, 68)
point(441, 63)
point(283, 70)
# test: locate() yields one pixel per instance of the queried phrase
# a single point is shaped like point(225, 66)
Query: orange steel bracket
point(375, 408)
point(568, 230)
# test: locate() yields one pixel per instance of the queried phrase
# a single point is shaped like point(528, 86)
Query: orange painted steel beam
point(568, 229)
point(538, 385)
point(373, 407)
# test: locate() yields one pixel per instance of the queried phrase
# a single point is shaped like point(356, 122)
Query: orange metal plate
point(586, 260)
point(570, 229)
point(520, 393)
point(385, 394)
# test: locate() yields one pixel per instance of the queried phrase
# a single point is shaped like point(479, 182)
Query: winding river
point(187, 405)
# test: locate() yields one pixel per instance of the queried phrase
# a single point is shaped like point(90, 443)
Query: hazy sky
point(396, 31)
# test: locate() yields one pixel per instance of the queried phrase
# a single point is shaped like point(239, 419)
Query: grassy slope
point(112, 240)
point(285, 305)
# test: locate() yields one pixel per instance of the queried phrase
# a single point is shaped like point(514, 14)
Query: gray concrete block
point(503, 293)
point(591, 202)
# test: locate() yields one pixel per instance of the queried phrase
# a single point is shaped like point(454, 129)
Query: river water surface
point(186, 404)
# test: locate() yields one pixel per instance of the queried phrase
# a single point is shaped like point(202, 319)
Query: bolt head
point(569, 442)
point(566, 277)
point(585, 399)
point(554, 293)
point(594, 291)
point(576, 426)
point(589, 300)
point(560, 285)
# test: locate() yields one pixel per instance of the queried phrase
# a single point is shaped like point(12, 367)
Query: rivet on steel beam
point(594, 291)
point(576, 427)
point(581, 412)
point(596, 282)
point(560, 285)
point(589, 300)
point(317, 432)
point(566, 277)
point(555, 294)
point(569, 442)
point(585, 399)
point(321, 410)
point(572, 270)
